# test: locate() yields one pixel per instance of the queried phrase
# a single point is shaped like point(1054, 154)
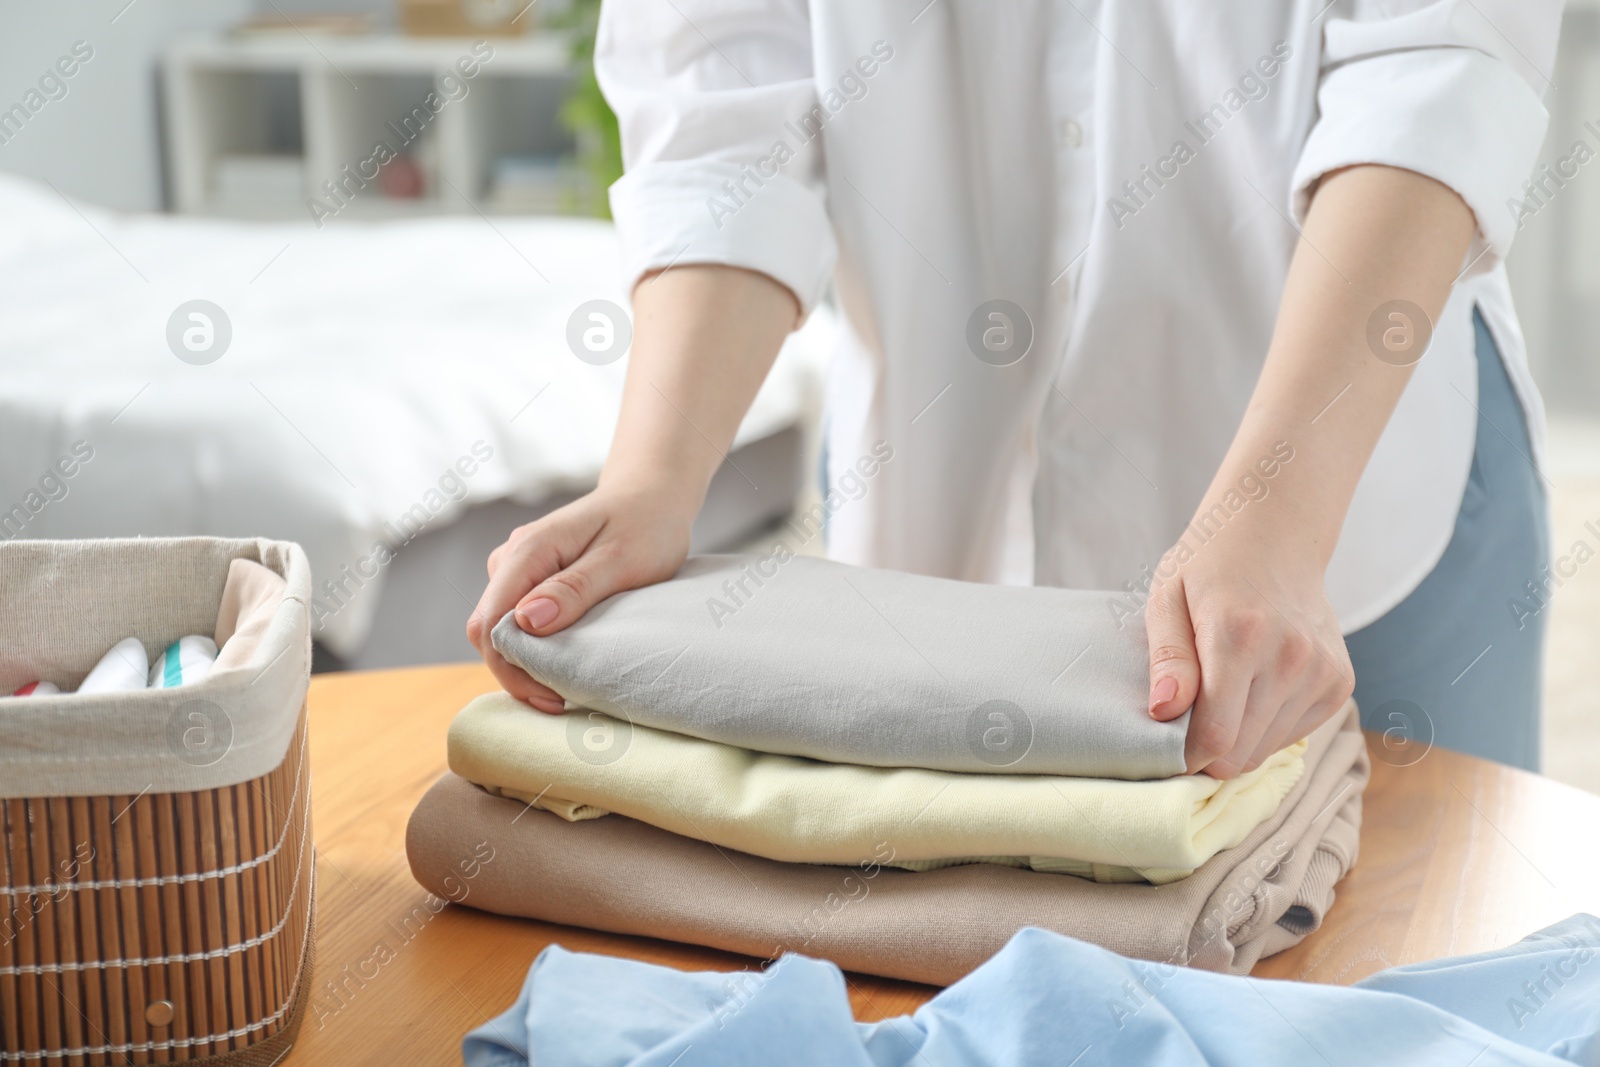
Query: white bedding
point(366, 359)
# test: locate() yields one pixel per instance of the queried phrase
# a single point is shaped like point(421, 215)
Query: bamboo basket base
point(275, 1048)
point(196, 905)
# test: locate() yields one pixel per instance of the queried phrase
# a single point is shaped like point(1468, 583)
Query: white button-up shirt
point(1129, 176)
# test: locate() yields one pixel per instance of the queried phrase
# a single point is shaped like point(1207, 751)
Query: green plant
point(585, 113)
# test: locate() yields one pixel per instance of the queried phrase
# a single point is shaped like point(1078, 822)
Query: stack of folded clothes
point(890, 771)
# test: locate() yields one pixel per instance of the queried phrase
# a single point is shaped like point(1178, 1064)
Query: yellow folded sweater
point(584, 764)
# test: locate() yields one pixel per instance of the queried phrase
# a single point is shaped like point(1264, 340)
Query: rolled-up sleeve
point(1450, 89)
point(706, 92)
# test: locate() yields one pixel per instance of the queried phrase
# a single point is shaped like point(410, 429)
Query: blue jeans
point(1454, 664)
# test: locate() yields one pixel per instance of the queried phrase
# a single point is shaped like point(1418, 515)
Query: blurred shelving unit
point(266, 125)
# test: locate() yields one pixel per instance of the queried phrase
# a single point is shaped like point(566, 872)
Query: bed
point(406, 384)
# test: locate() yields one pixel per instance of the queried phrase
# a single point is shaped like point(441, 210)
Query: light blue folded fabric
point(1046, 999)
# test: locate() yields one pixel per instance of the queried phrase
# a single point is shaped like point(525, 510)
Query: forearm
point(704, 339)
point(1373, 235)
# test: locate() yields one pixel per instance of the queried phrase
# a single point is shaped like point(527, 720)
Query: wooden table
point(1457, 855)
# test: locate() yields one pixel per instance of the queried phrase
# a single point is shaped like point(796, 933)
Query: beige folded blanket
point(616, 874)
point(804, 811)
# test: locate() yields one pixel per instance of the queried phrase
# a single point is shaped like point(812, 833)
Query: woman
point(1138, 296)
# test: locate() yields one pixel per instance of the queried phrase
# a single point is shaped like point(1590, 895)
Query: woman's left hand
point(1238, 617)
point(1242, 630)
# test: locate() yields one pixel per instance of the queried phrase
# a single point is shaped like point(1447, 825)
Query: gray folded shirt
point(807, 657)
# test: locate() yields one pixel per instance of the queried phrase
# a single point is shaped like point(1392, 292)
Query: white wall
point(100, 141)
point(1555, 263)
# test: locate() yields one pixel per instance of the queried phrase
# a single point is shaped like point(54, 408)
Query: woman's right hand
point(705, 336)
point(557, 567)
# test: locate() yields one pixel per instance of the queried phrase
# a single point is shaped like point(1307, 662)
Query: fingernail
point(1164, 690)
point(537, 613)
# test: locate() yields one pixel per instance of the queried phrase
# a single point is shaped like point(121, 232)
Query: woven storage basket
point(157, 871)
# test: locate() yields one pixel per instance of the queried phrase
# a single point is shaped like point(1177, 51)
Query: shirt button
point(1070, 133)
